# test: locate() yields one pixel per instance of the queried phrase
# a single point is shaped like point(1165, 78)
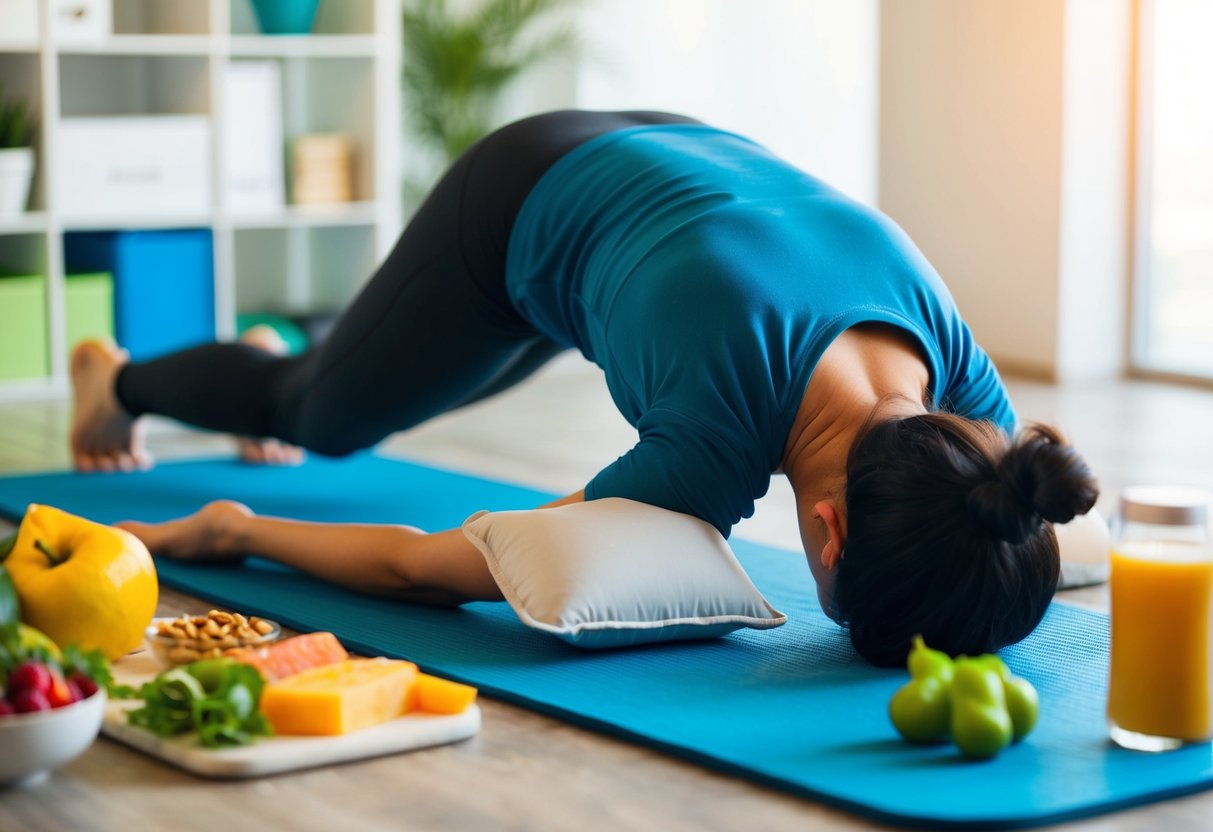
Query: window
point(1173, 309)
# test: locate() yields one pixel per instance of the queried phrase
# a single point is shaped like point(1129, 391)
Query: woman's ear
point(836, 533)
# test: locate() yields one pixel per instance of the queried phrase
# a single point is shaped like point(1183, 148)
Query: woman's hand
point(207, 535)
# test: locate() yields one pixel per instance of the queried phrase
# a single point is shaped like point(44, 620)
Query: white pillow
point(614, 572)
point(1083, 545)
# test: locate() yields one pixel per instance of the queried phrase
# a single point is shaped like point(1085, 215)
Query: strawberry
point(26, 700)
point(29, 676)
point(84, 683)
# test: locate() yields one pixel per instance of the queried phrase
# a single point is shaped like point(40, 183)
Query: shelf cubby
point(112, 85)
point(158, 17)
point(167, 58)
point(302, 270)
point(334, 95)
point(26, 322)
point(23, 253)
point(333, 17)
point(22, 75)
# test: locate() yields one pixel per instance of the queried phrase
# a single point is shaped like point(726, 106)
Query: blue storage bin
point(164, 287)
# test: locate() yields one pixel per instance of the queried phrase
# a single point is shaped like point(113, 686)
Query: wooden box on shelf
point(322, 170)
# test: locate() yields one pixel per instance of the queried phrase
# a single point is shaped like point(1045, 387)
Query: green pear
point(921, 710)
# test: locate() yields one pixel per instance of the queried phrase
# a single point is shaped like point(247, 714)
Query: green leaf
point(14, 117)
point(11, 653)
point(456, 66)
point(93, 664)
point(6, 546)
point(215, 698)
point(10, 606)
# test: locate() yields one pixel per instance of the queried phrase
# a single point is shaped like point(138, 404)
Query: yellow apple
point(82, 582)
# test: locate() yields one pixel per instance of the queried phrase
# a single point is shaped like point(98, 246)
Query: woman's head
point(949, 533)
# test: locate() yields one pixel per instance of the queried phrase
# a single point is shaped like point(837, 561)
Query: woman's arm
point(393, 561)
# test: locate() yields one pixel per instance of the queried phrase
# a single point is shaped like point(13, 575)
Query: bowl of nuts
point(188, 638)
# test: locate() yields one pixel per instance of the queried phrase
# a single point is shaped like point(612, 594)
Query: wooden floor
point(525, 771)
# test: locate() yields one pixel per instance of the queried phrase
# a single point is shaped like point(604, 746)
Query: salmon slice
point(292, 655)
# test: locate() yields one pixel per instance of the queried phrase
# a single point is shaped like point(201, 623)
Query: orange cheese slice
point(440, 696)
point(339, 698)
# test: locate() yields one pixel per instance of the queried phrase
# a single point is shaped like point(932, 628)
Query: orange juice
point(1162, 617)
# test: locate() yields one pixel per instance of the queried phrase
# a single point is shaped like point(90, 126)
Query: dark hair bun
point(1039, 478)
point(1001, 511)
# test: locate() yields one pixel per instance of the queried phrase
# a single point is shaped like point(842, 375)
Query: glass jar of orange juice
point(1159, 685)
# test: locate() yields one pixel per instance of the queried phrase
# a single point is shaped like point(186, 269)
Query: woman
point(749, 320)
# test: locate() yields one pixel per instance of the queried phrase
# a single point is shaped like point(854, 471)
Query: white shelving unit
point(169, 57)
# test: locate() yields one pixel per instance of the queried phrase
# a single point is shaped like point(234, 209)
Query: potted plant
point(16, 156)
point(458, 62)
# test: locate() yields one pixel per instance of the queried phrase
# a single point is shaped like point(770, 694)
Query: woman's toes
point(266, 338)
point(280, 453)
point(269, 452)
point(251, 451)
point(157, 537)
point(136, 528)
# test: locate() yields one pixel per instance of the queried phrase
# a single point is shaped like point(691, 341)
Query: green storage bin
point(24, 347)
point(89, 302)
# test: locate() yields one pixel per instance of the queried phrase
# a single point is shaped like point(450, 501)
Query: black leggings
point(432, 331)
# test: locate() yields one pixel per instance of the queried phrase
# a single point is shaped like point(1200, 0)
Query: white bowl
point(34, 743)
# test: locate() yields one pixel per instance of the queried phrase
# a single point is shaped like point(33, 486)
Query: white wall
point(970, 158)
point(1002, 154)
point(800, 76)
point(1094, 259)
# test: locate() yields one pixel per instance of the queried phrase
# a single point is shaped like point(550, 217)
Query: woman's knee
point(333, 440)
point(318, 417)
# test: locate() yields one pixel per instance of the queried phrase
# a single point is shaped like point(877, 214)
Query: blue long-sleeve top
point(706, 277)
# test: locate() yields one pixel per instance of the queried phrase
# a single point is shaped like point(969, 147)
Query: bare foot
point(104, 437)
point(208, 534)
point(267, 451)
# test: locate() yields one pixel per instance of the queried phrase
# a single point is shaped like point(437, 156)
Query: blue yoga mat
point(793, 708)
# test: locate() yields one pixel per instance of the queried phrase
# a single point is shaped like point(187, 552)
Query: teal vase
point(285, 17)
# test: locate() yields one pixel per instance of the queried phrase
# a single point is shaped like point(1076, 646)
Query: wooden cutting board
point(273, 755)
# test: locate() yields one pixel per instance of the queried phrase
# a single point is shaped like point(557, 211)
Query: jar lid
point(1166, 505)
